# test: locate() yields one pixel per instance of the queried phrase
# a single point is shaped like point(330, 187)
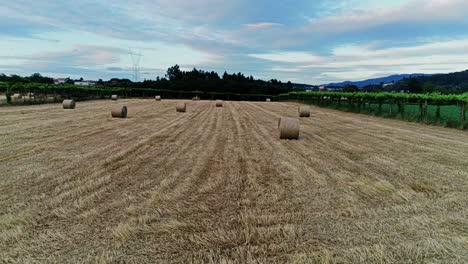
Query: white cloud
point(366, 61)
point(451, 51)
point(201, 11)
point(414, 11)
point(261, 25)
point(289, 57)
point(283, 69)
point(273, 39)
point(78, 50)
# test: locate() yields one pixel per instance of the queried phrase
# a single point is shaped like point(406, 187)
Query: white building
point(60, 80)
point(85, 83)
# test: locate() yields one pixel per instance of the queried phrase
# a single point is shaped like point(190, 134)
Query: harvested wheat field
point(217, 185)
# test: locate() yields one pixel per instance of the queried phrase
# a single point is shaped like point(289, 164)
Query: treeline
point(379, 97)
point(206, 81)
point(178, 80)
point(456, 79)
point(38, 93)
point(210, 82)
point(35, 78)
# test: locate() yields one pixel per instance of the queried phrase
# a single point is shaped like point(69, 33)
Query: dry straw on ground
point(114, 97)
point(181, 107)
point(212, 186)
point(219, 103)
point(69, 104)
point(288, 128)
point(304, 111)
point(157, 98)
point(119, 111)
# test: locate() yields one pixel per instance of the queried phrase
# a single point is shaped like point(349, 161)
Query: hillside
point(376, 81)
point(454, 79)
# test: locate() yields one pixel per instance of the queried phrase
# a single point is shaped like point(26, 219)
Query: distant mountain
point(389, 79)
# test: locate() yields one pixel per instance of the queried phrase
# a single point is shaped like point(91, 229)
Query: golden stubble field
point(217, 185)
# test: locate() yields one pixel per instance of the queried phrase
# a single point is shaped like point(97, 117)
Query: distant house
point(309, 88)
point(60, 80)
point(333, 89)
point(85, 83)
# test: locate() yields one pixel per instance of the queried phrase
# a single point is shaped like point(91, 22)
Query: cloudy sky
point(306, 41)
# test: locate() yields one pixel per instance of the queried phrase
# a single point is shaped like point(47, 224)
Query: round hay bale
point(219, 103)
point(288, 128)
point(304, 111)
point(196, 98)
point(17, 96)
point(157, 98)
point(68, 104)
point(268, 100)
point(181, 107)
point(114, 97)
point(119, 111)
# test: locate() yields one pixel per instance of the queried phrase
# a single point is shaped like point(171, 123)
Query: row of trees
point(35, 78)
point(209, 81)
point(36, 93)
point(178, 80)
point(383, 96)
point(206, 81)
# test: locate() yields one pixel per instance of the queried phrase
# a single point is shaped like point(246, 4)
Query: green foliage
point(414, 86)
point(455, 79)
point(174, 73)
point(34, 78)
point(97, 92)
point(383, 96)
point(206, 82)
point(431, 108)
point(38, 78)
point(451, 83)
point(350, 88)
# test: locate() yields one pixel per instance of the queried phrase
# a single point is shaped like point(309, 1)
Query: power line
point(136, 60)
